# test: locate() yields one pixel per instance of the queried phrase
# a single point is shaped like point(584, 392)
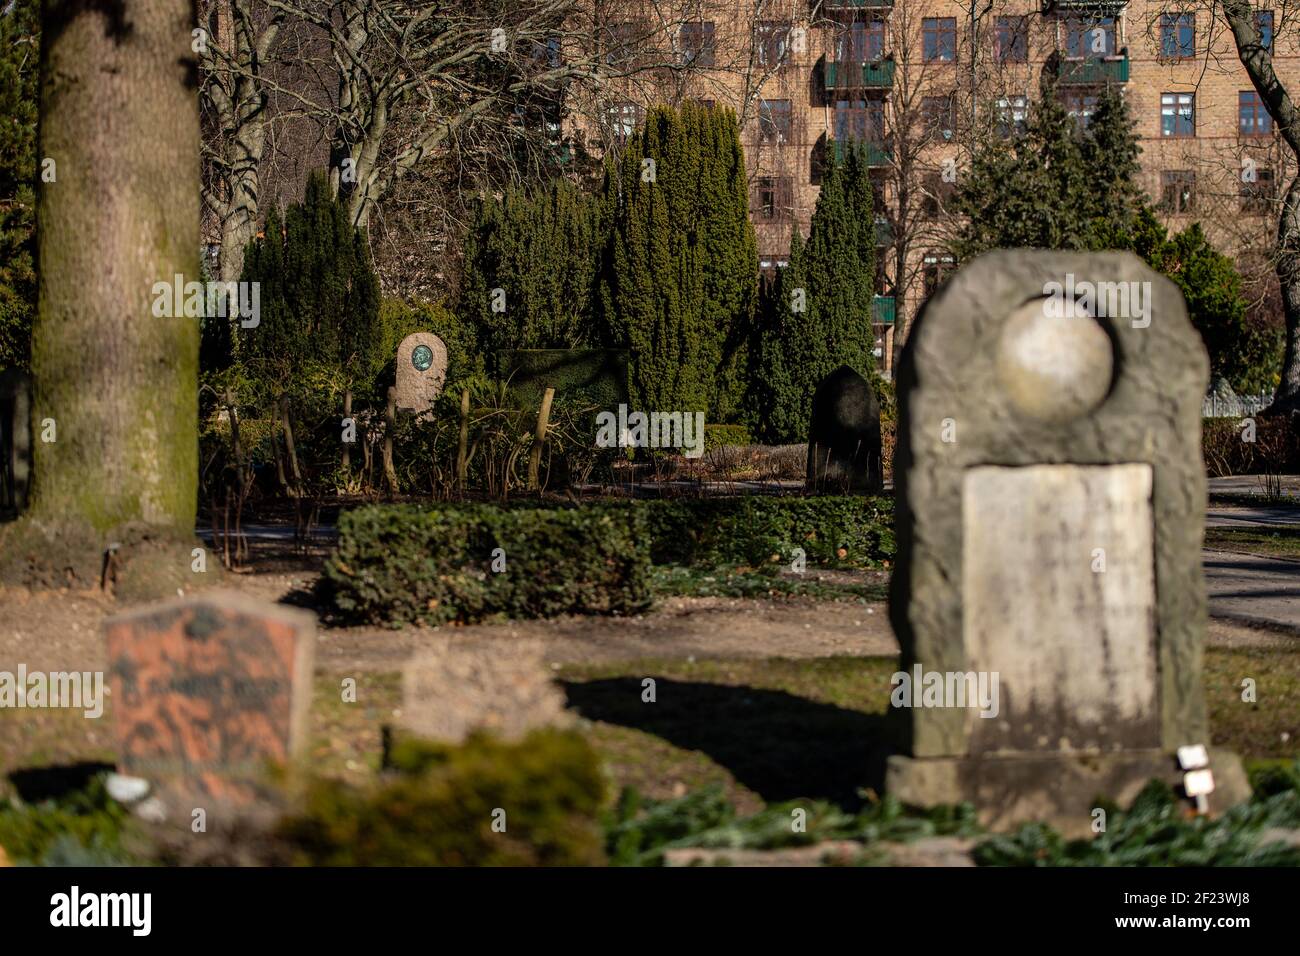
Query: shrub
point(84, 828)
point(438, 808)
point(718, 531)
point(717, 436)
point(1275, 450)
point(594, 377)
point(401, 564)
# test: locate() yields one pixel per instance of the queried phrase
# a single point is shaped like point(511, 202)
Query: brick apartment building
point(919, 80)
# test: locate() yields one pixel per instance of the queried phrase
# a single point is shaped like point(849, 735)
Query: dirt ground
point(62, 631)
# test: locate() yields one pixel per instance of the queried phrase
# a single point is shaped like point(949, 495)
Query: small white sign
point(1198, 783)
point(1193, 757)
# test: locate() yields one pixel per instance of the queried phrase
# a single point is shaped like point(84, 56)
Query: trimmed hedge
point(583, 376)
point(755, 530)
point(401, 564)
point(716, 436)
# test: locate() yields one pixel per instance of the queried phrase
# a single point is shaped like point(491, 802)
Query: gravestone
point(1050, 502)
point(208, 692)
point(421, 372)
point(453, 688)
point(844, 435)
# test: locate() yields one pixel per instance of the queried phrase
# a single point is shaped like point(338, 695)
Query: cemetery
point(616, 548)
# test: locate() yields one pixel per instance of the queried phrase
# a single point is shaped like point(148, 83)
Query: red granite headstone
point(209, 692)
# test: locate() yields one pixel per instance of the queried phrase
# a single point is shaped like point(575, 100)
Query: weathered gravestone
point(208, 692)
point(451, 689)
point(1050, 499)
point(844, 434)
point(421, 371)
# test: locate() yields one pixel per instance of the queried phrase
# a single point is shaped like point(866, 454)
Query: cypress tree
point(540, 248)
point(319, 296)
point(678, 277)
point(823, 310)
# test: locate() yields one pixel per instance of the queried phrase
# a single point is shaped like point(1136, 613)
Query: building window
point(775, 122)
point(1178, 115)
point(772, 42)
point(1264, 24)
point(1256, 191)
point(936, 267)
point(861, 41)
point(1012, 113)
point(1089, 39)
point(620, 42)
point(1080, 105)
point(1012, 42)
point(706, 104)
point(1177, 36)
point(939, 39)
point(697, 44)
point(938, 114)
point(622, 120)
point(547, 51)
point(774, 199)
point(862, 120)
point(1178, 190)
point(1252, 118)
point(936, 194)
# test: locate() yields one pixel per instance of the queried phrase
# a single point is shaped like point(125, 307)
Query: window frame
point(1177, 113)
point(1177, 179)
point(770, 124)
point(1011, 39)
point(935, 32)
point(1262, 122)
point(1177, 36)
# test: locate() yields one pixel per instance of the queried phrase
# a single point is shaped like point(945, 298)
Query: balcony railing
point(831, 6)
point(882, 310)
point(1094, 72)
point(869, 75)
point(1083, 6)
point(878, 154)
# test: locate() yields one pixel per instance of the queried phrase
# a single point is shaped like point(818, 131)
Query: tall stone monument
point(1050, 501)
point(421, 371)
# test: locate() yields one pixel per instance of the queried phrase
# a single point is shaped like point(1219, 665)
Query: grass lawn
point(1272, 542)
point(774, 730)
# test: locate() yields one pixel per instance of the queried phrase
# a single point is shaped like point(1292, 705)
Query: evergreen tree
point(19, 95)
point(1057, 187)
point(319, 296)
point(822, 317)
point(540, 249)
point(678, 279)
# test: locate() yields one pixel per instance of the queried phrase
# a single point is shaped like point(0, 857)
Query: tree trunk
point(1258, 61)
point(119, 116)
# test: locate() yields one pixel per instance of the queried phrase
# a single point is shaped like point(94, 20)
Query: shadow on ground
point(776, 744)
point(34, 784)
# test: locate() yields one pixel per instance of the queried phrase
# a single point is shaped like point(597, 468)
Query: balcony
point(1094, 72)
point(882, 310)
point(835, 6)
point(871, 75)
point(1083, 6)
point(878, 154)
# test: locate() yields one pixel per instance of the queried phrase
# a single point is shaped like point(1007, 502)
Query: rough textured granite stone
point(421, 371)
point(972, 396)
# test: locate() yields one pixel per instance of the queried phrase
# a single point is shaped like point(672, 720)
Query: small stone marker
point(207, 692)
point(453, 688)
point(421, 371)
point(844, 435)
point(1050, 503)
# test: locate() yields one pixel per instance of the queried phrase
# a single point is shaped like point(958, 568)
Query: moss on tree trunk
point(115, 386)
